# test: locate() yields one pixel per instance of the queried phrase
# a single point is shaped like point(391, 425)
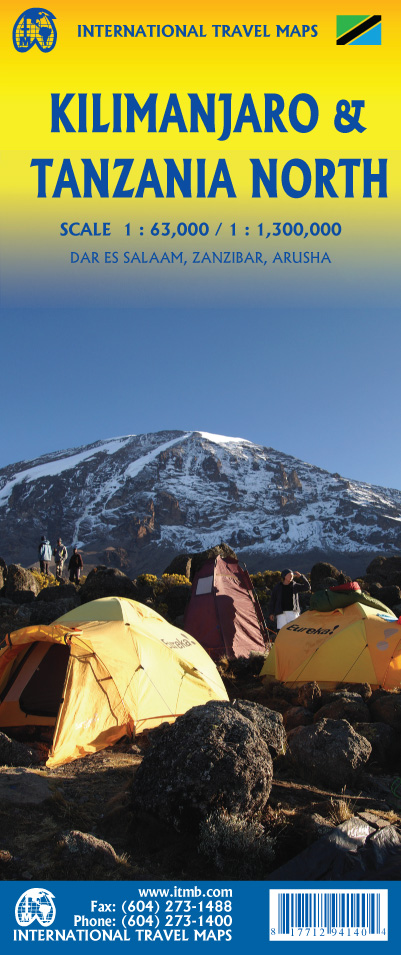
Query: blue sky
point(319, 385)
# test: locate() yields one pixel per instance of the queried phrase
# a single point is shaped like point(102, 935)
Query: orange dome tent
point(108, 668)
point(354, 644)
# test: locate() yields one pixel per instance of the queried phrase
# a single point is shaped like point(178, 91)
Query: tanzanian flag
point(362, 30)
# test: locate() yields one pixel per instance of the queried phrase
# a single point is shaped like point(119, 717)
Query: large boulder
point(23, 787)
point(386, 708)
point(57, 592)
point(309, 696)
point(7, 607)
point(85, 849)
point(297, 716)
point(47, 613)
point(116, 557)
point(212, 757)
point(221, 550)
point(193, 562)
point(13, 753)
point(189, 564)
point(389, 594)
point(385, 570)
point(324, 575)
point(107, 582)
point(268, 723)
point(15, 617)
point(385, 742)
point(180, 565)
point(330, 753)
point(344, 705)
point(21, 586)
point(364, 689)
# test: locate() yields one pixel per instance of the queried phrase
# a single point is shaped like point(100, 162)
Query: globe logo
point(35, 904)
point(35, 26)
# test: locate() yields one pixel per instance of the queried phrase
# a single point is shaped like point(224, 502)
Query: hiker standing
point(60, 556)
point(45, 555)
point(75, 566)
point(284, 601)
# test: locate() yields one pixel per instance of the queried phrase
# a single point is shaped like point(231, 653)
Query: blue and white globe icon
point(35, 26)
point(35, 904)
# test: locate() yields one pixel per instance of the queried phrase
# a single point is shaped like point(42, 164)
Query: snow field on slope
point(54, 468)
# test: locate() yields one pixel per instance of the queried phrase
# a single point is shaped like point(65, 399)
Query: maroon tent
point(223, 613)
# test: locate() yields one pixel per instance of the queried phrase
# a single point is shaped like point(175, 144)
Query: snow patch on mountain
point(222, 439)
point(138, 465)
point(56, 467)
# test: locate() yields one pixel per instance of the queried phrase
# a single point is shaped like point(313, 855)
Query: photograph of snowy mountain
point(138, 501)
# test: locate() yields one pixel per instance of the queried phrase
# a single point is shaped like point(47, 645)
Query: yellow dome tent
point(355, 644)
point(107, 668)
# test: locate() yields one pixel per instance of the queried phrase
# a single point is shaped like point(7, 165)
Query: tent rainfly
point(223, 613)
point(354, 644)
point(108, 668)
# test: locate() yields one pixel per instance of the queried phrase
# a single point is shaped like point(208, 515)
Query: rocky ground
point(278, 783)
point(232, 790)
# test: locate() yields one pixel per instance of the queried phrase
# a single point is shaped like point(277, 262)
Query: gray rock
point(22, 615)
point(364, 689)
point(221, 550)
point(47, 613)
point(385, 742)
point(386, 708)
point(23, 787)
point(107, 582)
point(20, 586)
point(13, 753)
point(115, 557)
point(180, 565)
point(329, 753)
point(212, 757)
point(389, 594)
point(86, 849)
point(60, 592)
point(323, 572)
point(7, 606)
point(387, 570)
point(309, 695)
point(17, 617)
point(344, 706)
point(297, 716)
point(268, 722)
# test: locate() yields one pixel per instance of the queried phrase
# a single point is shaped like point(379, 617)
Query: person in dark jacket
point(75, 566)
point(284, 601)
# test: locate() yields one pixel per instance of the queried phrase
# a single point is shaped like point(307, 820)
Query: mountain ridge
point(150, 496)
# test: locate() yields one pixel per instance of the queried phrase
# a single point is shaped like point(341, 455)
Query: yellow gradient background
point(364, 258)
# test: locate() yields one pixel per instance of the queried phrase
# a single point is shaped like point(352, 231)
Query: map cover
point(200, 229)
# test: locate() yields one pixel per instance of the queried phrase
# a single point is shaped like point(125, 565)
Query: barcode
point(343, 915)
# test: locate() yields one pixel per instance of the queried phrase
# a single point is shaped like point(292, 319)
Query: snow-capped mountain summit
point(150, 497)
